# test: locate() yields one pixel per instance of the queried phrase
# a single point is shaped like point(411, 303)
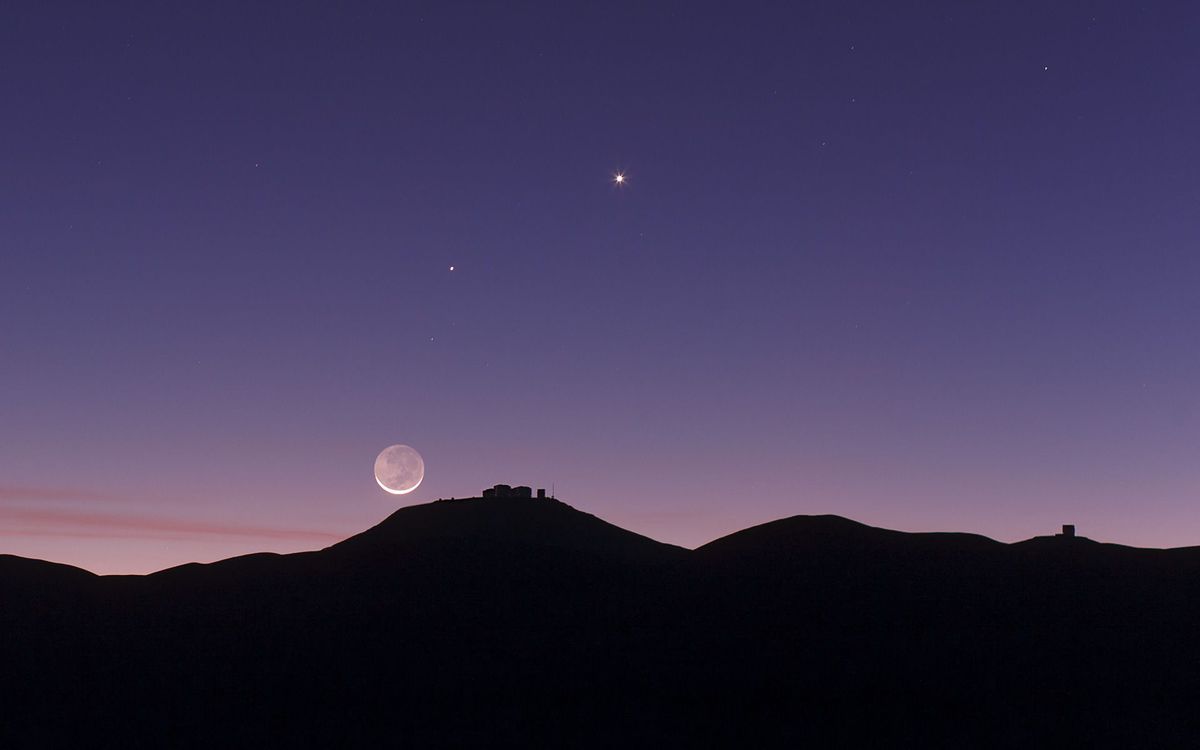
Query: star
point(451, 268)
point(619, 178)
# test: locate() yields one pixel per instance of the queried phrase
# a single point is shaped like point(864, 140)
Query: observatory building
point(503, 490)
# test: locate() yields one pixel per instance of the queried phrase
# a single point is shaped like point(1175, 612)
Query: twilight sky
point(931, 266)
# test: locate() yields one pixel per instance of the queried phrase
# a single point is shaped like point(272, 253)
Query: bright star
point(619, 178)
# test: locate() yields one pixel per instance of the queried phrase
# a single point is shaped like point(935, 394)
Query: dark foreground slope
point(525, 622)
point(957, 637)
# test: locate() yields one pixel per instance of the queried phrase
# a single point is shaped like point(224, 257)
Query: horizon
point(336, 538)
point(697, 267)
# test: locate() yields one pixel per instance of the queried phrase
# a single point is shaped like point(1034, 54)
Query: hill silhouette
point(23, 572)
point(510, 621)
point(510, 521)
point(800, 535)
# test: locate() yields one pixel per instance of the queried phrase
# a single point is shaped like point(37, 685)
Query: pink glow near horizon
point(101, 533)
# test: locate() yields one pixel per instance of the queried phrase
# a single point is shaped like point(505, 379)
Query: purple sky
point(932, 266)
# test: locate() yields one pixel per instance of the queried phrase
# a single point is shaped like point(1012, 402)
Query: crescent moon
point(399, 469)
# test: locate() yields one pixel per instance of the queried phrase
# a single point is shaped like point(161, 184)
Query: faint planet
point(399, 469)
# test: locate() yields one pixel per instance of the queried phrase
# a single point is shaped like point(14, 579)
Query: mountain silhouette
point(526, 522)
point(516, 621)
point(804, 535)
point(24, 572)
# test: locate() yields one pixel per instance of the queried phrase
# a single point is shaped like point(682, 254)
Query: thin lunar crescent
point(399, 469)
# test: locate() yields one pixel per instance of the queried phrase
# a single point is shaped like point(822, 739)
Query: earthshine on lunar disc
point(399, 469)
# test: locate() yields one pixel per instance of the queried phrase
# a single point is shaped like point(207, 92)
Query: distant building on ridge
point(504, 490)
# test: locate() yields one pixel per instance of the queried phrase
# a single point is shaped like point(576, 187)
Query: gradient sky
point(931, 266)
